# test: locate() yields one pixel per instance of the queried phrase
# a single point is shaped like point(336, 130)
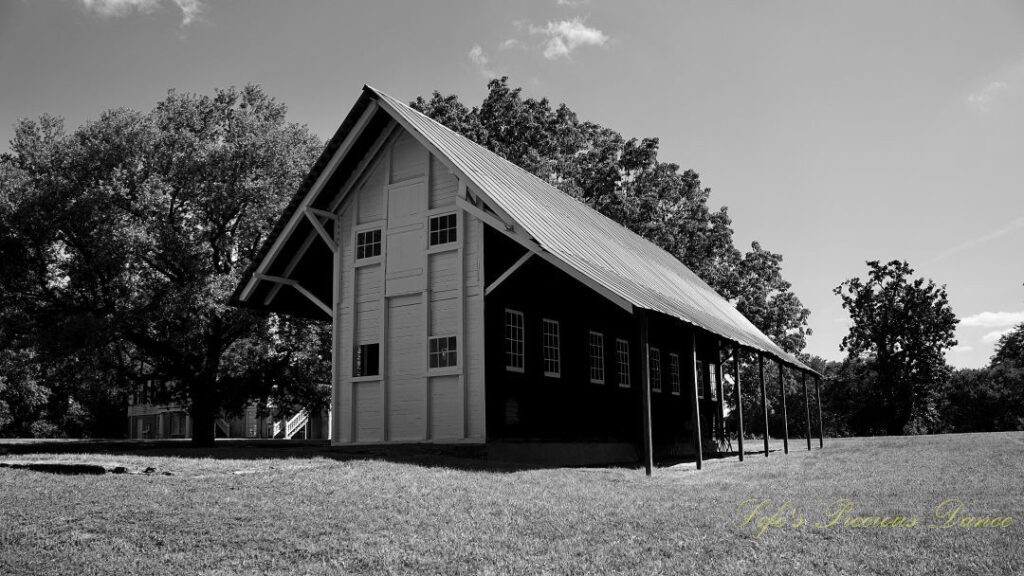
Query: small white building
point(474, 303)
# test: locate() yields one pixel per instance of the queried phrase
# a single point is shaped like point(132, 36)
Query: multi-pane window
point(596, 358)
point(552, 355)
point(713, 381)
point(622, 359)
point(443, 352)
point(514, 360)
point(367, 360)
point(443, 229)
point(655, 367)
point(700, 379)
point(368, 244)
point(673, 368)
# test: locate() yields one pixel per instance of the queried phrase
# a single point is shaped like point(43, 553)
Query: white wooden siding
point(369, 199)
point(406, 390)
point(443, 185)
point(402, 299)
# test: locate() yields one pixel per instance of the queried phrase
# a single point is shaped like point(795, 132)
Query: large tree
point(625, 180)
point(128, 235)
point(902, 328)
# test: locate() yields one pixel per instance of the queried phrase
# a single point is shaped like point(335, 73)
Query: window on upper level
point(368, 244)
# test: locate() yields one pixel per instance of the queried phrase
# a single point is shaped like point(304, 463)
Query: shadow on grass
point(465, 457)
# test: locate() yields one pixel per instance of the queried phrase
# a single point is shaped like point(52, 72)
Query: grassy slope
point(368, 516)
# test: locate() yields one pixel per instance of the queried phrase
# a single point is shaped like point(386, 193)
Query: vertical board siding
point(343, 409)
point(369, 198)
point(443, 185)
point(445, 420)
point(406, 393)
point(412, 294)
point(443, 272)
point(407, 158)
point(366, 400)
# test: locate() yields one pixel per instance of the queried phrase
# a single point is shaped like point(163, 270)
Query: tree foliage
point(901, 330)
point(123, 240)
point(625, 180)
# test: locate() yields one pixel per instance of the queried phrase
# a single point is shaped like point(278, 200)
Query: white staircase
point(289, 428)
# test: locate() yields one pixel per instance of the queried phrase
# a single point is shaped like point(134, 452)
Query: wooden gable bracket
point(362, 171)
point(511, 270)
point(314, 219)
point(530, 244)
point(293, 220)
point(299, 288)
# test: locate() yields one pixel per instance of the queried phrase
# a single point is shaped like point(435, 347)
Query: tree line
point(121, 240)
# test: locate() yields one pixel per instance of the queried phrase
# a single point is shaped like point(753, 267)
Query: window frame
point(369, 228)
point(619, 352)
point(452, 243)
point(700, 379)
point(712, 381)
point(521, 368)
point(557, 348)
point(357, 360)
point(654, 367)
point(453, 349)
point(673, 369)
point(590, 353)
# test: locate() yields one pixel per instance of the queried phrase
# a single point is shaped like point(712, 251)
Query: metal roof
point(629, 266)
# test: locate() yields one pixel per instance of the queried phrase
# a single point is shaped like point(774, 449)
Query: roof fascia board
point(299, 214)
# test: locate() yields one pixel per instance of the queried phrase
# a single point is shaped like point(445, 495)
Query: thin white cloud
point(567, 35)
point(961, 349)
point(479, 58)
point(572, 3)
point(995, 335)
point(190, 9)
point(994, 319)
point(983, 98)
point(509, 44)
point(1010, 226)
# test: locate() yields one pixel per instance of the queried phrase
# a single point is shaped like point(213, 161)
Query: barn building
point(472, 302)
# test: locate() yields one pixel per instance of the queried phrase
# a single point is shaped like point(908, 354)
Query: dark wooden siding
point(532, 406)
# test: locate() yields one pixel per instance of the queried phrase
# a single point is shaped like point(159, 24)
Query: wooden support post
point(720, 394)
point(764, 401)
point(695, 412)
point(739, 397)
point(785, 418)
point(807, 410)
point(821, 430)
point(645, 365)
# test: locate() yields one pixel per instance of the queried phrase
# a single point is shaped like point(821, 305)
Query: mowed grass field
point(333, 514)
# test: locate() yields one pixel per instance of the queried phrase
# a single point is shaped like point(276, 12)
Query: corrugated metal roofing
point(633, 268)
point(594, 245)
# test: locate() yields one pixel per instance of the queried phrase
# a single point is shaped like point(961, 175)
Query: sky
point(835, 132)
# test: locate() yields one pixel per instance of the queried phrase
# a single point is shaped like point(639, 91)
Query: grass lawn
point(322, 512)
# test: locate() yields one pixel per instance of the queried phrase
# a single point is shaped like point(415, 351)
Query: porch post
point(785, 419)
point(807, 410)
point(695, 412)
point(739, 395)
point(645, 366)
point(764, 400)
point(821, 430)
point(720, 392)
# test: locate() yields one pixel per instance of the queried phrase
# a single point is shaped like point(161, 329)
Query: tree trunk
point(203, 390)
point(203, 414)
